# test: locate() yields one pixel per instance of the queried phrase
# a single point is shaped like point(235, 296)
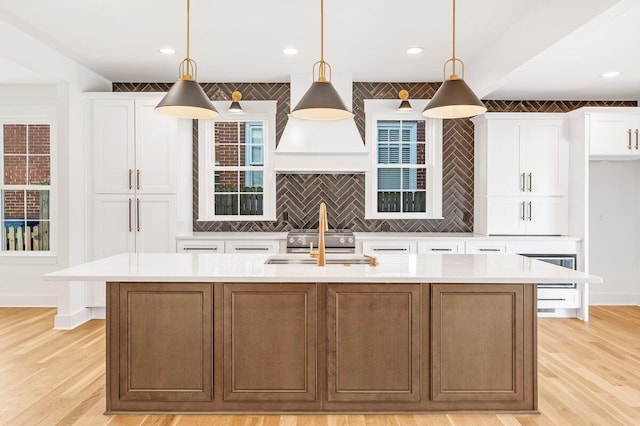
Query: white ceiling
point(513, 49)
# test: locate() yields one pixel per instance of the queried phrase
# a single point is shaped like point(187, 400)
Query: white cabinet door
point(486, 248)
point(252, 246)
point(451, 247)
point(503, 168)
point(614, 133)
point(114, 225)
point(544, 152)
point(389, 246)
point(155, 222)
point(200, 246)
point(547, 216)
point(506, 216)
point(113, 134)
point(155, 149)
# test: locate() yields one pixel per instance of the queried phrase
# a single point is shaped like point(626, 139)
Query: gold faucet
point(323, 225)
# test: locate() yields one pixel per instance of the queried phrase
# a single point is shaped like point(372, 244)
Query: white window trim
point(377, 110)
point(27, 119)
point(264, 111)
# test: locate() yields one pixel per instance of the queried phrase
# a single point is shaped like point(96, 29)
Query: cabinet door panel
point(373, 342)
point(114, 225)
point(547, 216)
point(543, 157)
point(505, 216)
point(478, 343)
point(113, 134)
point(155, 149)
point(170, 319)
point(609, 134)
point(155, 223)
point(503, 169)
point(269, 342)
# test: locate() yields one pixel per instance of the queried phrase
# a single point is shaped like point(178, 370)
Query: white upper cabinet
point(521, 174)
point(614, 133)
point(134, 147)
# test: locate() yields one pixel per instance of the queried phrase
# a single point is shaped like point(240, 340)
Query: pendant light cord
point(321, 74)
point(454, 37)
point(188, 23)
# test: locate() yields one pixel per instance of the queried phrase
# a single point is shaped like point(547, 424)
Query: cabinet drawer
point(486, 248)
point(451, 247)
point(389, 247)
point(210, 246)
point(559, 298)
point(252, 246)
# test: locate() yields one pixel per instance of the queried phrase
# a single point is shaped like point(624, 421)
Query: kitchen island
point(229, 333)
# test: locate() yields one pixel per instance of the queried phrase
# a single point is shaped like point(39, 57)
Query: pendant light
point(322, 101)
point(404, 105)
point(454, 98)
point(186, 99)
point(235, 105)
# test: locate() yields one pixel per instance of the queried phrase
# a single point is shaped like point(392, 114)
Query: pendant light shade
point(322, 101)
point(186, 99)
point(454, 98)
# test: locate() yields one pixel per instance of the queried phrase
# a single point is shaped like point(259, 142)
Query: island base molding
point(320, 347)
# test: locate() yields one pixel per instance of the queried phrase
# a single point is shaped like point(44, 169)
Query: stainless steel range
point(335, 241)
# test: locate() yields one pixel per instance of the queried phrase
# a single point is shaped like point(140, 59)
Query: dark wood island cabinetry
point(315, 347)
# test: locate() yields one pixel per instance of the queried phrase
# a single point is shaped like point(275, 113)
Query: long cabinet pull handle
point(489, 249)
point(130, 173)
point(138, 213)
point(137, 178)
point(390, 249)
point(130, 229)
point(530, 210)
point(636, 138)
point(554, 300)
point(523, 208)
point(522, 186)
point(629, 133)
point(200, 248)
point(530, 181)
point(251, 248)
point(441, 249)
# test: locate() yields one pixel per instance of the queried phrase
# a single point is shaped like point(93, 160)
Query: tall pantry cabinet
point(133, 181)
point(521, 174)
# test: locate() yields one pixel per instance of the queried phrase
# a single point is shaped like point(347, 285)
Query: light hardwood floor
point(588, 373)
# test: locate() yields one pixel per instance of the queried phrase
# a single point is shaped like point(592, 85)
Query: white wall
point(614, 228)
point(21, 279)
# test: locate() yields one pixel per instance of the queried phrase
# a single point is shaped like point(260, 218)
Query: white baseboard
point(29, 300)
point(614, 299)
point(67, 322)
point(98, 312)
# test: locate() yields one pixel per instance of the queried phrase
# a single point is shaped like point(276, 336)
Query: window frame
point(27, 120)
point(254, 111)
point(386, 110)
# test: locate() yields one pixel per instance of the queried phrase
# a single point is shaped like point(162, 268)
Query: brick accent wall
point(298, 195)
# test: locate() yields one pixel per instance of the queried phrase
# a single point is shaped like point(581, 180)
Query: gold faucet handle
point(373, 261)
point(313, 253)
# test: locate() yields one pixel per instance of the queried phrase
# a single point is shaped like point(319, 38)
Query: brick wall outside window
point(229, 150)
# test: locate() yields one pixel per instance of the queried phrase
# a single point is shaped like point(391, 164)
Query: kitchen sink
point(306, 260)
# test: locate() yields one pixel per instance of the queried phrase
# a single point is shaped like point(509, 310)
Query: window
point(26, 186)
point(236, 179)
point(405, 178)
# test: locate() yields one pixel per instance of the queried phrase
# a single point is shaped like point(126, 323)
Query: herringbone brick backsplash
point(299, 195)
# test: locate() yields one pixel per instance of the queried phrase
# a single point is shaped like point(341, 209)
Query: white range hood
point(320, 146)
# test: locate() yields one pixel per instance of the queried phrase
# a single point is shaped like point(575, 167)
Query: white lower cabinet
point(389, 247)
point(552, 298)
point(444, 247)
point(233, 246)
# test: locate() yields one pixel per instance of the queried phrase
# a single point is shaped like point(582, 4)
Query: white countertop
point(406, 268)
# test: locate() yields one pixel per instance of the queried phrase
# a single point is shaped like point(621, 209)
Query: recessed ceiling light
point(290, 51)
point(415, 50)
point(167, 51)
point(610, 74)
